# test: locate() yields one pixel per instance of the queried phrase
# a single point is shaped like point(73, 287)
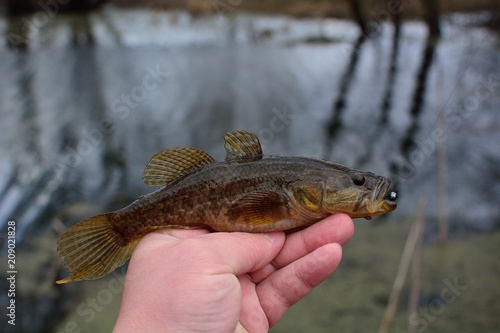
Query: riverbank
point(312, 8)
point(369, 9)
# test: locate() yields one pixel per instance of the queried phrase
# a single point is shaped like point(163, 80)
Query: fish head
point(358, 194)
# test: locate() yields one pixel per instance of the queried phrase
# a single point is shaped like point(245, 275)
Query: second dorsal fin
point(242, 146)
point(168, 164)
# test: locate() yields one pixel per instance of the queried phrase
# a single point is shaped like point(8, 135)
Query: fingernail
point(272, 236)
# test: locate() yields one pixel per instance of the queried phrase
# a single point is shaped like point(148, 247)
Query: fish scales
point(247, 192)
point(207, 194)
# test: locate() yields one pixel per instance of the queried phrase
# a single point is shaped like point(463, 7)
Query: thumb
point(238, 253)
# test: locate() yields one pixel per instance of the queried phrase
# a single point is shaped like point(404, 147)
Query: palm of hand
point(226, 282)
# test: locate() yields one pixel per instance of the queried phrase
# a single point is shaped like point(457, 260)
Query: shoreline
point(370, 9)
point(353, 9)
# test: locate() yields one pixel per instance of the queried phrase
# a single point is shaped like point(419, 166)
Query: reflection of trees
point(30, 205)
point(432, 20)
point(28, 15)
point(33, 205)
point(335, 123)
point(387, 98)
point(339, 105)
point(407, 144)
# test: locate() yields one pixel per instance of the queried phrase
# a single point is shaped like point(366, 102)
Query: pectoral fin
point(242, 146)
point(169, 164)
point(259, 208)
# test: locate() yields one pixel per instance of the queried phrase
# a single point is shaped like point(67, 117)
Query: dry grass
point(355, 297)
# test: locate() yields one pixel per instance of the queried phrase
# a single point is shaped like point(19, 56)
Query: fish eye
point(358, 179)
point(393, 195)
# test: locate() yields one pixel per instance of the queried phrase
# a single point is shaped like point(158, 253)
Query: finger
point(252, 316)
point(337, 228)
point(240, 329)
point(236, 253)
point(286, 286)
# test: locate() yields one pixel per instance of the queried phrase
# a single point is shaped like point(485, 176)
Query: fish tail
point(93, 248)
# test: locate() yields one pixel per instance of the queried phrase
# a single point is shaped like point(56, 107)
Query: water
point(83, 110)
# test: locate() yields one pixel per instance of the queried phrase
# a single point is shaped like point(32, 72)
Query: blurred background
point(410, 89)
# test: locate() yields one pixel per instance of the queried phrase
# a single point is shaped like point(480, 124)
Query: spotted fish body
point(247, 192)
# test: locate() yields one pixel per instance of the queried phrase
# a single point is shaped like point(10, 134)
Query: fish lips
point(389, 196)
point(381, 199)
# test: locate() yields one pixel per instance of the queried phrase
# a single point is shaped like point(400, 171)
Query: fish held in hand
point(247, 192)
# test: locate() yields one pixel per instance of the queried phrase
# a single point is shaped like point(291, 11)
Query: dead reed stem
point(404, 265)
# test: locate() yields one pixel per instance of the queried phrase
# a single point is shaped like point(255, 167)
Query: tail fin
point(92, 248)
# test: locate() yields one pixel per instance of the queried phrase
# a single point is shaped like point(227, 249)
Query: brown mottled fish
point(247, 192)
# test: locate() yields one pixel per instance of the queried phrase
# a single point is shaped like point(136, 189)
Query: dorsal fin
point(166, 165)
point(242, 146)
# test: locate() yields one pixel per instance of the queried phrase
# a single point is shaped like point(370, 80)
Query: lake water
point(84, 107)
point(82, 111)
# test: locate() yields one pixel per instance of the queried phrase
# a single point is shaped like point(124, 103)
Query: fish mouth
point(381, 199)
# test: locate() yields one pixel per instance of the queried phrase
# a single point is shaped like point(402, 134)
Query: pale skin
point(196, 281)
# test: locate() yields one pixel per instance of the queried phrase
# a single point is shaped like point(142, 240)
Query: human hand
point(195, 281)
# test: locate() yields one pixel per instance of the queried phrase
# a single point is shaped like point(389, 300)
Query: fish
point(247, 192)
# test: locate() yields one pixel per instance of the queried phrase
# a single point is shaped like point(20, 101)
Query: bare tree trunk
point(431, 17)
point(16, 7)
point(358, 14)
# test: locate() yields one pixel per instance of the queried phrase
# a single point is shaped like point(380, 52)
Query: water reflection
point(388, 95)
point(408, 143)
point(81, 117)
point(335, 123)
point(66, 93)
